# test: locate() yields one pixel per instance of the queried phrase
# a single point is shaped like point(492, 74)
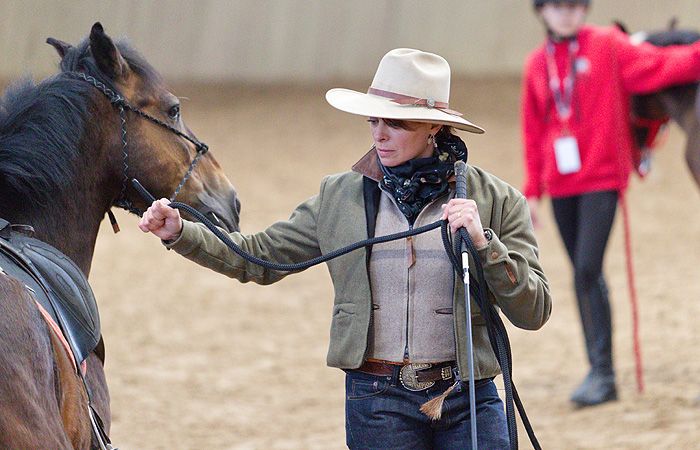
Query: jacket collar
point(368, 165)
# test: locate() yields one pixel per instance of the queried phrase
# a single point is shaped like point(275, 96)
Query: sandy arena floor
point(198, 361)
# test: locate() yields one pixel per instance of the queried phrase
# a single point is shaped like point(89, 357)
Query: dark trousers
point(584, 223)
point(381, 414)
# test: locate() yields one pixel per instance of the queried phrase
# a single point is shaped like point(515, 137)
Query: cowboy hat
point(408, 85)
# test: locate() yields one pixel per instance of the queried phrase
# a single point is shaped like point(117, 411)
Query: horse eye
point(174, 112)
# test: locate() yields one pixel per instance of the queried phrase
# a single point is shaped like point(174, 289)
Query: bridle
point(652, 127)
point(122, 106)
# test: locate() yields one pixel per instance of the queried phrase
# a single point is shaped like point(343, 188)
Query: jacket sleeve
point(513, 273)
point(290, 241)
point(532, 123)
point(645, 68)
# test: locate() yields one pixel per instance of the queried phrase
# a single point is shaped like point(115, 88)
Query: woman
point(398, 326)
point(578, 146)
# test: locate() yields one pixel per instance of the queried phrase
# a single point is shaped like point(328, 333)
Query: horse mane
point(42, 125)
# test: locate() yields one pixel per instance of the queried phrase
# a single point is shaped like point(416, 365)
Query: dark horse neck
point(681, 103)
point(70, 220)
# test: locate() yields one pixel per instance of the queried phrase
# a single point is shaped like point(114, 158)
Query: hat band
point(415, 101)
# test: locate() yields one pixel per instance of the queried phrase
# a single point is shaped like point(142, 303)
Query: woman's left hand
point(461, 212)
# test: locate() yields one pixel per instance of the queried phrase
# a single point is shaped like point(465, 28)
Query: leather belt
point(416, 376)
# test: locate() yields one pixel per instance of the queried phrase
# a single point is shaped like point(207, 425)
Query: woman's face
point(564, 19)
point(400, 141)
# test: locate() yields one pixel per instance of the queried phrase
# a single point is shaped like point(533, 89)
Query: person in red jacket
point(578, 146)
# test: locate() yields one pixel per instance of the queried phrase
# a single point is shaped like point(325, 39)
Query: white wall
point(301, 40)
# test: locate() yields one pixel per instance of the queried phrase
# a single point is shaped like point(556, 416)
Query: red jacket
point(609, 69)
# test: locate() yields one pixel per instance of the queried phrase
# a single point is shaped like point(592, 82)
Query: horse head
point(158, 152)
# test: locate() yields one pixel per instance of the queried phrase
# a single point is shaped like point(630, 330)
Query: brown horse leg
point(29, 414)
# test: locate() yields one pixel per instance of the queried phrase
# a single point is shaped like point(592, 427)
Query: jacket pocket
point(343, 309)
point(341, 325)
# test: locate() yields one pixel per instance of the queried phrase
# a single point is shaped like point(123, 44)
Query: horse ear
point(60, 46)
point(620, 26)
point(106, 54)
point(673, 23)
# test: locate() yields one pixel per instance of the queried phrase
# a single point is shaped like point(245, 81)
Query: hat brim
point(369, 105)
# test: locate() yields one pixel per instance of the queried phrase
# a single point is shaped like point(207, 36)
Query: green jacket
point(336, 217)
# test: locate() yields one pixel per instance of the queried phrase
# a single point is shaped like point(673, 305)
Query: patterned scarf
point(419, 181)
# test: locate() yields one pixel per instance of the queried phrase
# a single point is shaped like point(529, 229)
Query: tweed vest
point(412, 285)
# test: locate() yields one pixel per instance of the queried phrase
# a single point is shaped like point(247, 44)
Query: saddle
point(57, 284)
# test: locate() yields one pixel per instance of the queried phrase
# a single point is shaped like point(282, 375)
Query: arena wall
point(297, 41)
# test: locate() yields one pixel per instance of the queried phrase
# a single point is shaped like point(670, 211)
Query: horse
point(678, 103)
point(66, 158)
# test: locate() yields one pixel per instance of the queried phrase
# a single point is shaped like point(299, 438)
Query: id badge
point(567, 155)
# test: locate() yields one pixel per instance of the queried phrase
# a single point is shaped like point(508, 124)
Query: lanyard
point(562, 92)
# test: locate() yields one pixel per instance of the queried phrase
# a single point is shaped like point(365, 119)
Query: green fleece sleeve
point(513, 273)
point(290, 241)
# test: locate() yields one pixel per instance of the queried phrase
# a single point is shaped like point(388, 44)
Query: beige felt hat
point(409, 85)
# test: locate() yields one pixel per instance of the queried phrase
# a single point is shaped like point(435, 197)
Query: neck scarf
point(419, 181)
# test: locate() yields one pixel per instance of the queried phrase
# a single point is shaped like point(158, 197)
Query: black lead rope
point(294, 267)
point(498, 335)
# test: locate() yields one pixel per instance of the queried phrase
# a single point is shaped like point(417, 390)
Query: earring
point(431, 138)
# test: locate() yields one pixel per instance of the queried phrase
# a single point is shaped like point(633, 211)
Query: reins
point(498, 335)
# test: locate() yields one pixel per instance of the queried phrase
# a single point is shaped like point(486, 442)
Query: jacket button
point(494, 255)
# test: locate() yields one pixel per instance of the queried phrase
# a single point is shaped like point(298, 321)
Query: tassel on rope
point(433, 408)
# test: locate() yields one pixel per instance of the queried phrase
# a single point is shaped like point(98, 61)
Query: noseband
point(122, 106)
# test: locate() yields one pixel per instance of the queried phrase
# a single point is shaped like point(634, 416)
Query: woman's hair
point(396, 123)
point(445, 130)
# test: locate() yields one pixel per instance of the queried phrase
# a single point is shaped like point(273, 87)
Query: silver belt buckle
point(409, 380)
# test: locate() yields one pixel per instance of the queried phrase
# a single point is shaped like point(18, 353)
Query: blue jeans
point(381, 414)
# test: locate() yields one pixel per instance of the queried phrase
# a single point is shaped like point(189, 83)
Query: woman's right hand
point(162, 220)
point(534, 205)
